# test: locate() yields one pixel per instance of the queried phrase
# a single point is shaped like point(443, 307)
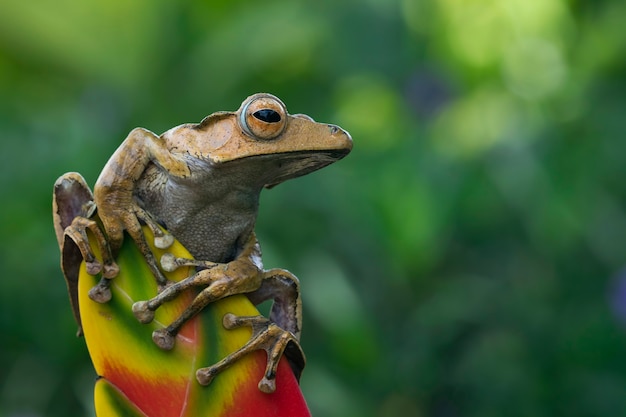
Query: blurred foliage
point(465, 260)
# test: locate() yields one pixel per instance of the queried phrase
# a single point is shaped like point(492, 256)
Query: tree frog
point(199, 183)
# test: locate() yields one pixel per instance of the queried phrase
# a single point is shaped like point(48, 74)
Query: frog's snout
point(337, 131)
point(342, 135)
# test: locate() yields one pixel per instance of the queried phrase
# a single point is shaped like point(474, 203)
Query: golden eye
point(263, 116)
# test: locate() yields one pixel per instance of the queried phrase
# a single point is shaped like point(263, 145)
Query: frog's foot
point(218, 284)
point(131, 219)
point(218, 280)
point(101, 292)
point(267, 336)
point(144, 310)
point(72, 208)
point(77, 232)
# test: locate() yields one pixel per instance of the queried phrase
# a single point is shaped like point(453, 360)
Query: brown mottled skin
point(202, 183)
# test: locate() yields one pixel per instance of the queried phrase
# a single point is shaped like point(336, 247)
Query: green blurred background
point(465, 260)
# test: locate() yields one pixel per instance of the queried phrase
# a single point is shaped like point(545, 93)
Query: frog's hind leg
point(144, 310)
point(219, 280)
point(283, 288)
point(218, 284)
point(284, 325)
point(267, 336)
point(277, 335)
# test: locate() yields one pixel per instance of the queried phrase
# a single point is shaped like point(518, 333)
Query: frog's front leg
point(114, 193)
point(72, 209)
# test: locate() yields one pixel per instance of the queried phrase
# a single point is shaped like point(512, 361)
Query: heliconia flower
point(137, 378)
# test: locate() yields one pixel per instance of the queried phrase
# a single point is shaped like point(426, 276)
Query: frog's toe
point(101, 293)
point(267, 385)
point(142, 312)
point(229, 321)
point(168, 262)
point(163, 339)
point(205, 375)
point(94, 267)
point(110, 270)
point(163, 241)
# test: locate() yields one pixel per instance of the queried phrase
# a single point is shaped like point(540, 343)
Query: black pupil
point(267, 115)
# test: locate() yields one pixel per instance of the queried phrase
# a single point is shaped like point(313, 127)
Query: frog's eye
point(263, 117)
point(267, 115)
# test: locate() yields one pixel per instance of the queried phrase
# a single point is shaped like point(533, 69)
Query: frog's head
point(275, 145)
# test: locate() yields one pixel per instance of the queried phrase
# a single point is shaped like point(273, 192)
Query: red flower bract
point(138, 378)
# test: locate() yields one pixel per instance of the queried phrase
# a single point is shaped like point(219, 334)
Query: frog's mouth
point(269, 170)
point(295, 164)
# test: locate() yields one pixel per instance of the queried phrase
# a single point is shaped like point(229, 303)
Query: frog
point(200, 184)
